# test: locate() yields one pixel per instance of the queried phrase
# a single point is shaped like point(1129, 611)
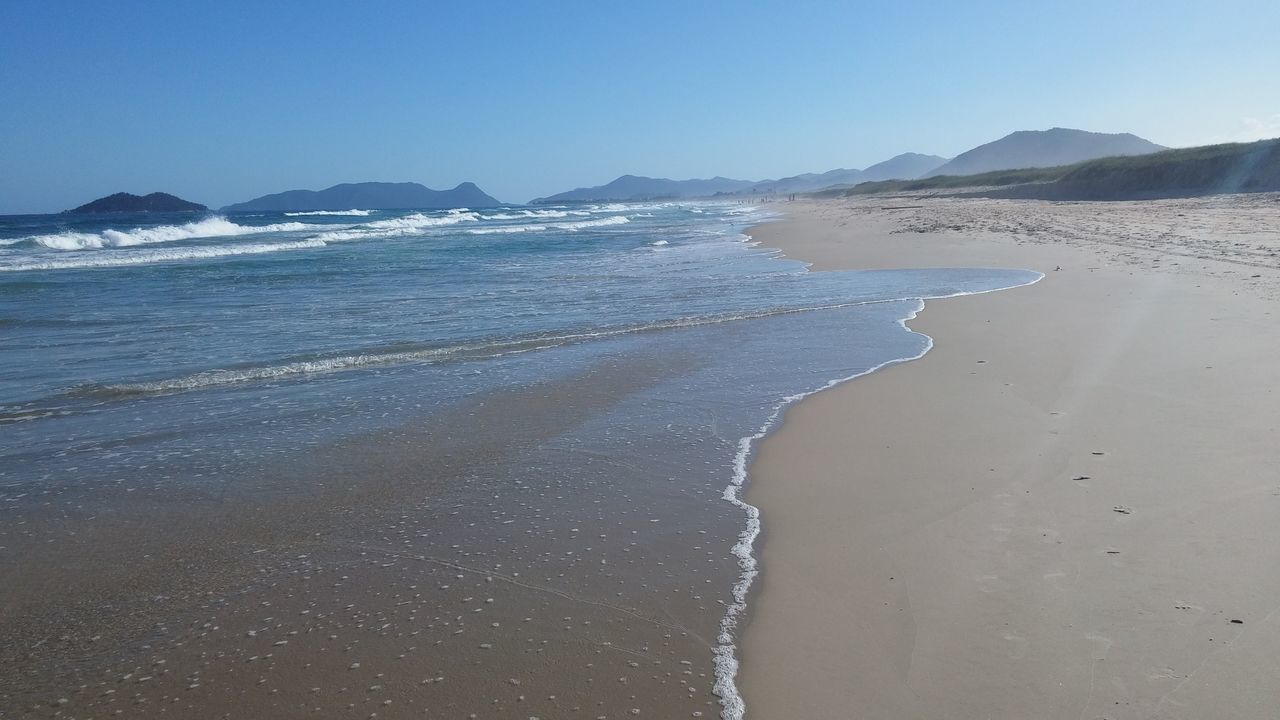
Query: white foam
point(615, 207)
point(157, 255)
point(570, 226)
point(353, 213)
point(207, 228)
point(522, 214)
point(395, 227)
point(216, 377)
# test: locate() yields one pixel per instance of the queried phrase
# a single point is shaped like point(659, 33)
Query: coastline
point(1061, 509)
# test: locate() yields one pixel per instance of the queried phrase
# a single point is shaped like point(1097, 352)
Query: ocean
point(395, 424)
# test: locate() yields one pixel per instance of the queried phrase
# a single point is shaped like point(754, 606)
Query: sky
point(222, 102)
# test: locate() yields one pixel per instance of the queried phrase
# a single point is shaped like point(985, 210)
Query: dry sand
point(1070, 508)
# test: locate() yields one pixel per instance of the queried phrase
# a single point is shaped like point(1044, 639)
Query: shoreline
point(941, 538)
point(727, 654)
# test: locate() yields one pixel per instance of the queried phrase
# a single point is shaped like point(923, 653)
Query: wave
point(207, 228)
point(468, 351)
point(522, 214)
point(353, 213)
point(146, 257)
point(570, 226)
point(614, 207)
point(395, 227)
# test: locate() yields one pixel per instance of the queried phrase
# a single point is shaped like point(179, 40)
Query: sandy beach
point(1068, 509)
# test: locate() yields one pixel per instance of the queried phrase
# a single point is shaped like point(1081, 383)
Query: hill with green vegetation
point(995, 178)
point(1186, 172)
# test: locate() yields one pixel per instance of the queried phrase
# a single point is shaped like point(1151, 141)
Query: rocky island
point(128, 202)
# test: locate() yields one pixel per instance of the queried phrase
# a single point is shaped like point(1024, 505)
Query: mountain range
point(1022, 149)
point(1042, 148)
point(369, 196)
point(639, 188)
point(1181, 172)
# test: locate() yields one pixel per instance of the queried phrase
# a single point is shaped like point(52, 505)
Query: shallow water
point(562, 393)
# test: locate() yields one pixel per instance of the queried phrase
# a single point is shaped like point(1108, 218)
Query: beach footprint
point(1001, 532)
point(1017, 645)
point(991, 583)
point(1055, 578)
point(1101, 645)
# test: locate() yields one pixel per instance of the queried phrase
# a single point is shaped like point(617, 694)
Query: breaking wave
point(481, 348)
point(353, 213)
point(522, 214)
point(207, 228)
point(570, 226)
point(146, 257)
point(395, 227)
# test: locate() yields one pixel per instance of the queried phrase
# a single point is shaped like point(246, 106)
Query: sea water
point(154, 352)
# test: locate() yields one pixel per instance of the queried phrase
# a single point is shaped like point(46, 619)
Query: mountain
point(1183, 172)
point(1044, 148)
point(636, 187)
point(1186, 172)
point(902, 167)
point(128, 202)
point(807, 182)
point(369, 196)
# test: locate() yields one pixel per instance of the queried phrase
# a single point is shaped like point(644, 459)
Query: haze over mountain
point(128, 202)
point(1184, 172)
point(635, 187)
point(369, 196)
point(906, 166)
point(1044, 148)
point(807, 181)
point(1181, 172)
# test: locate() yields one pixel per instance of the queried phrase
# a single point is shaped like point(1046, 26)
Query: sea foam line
point(732, 705)
point(494, 348)
point(352, 213)
point(570, 226)
point(209, 227)
point(522, 214)
point(395, 227)
point(146, 257)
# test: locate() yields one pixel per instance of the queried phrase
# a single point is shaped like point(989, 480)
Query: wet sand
point(452, 569)
point(1069, 508)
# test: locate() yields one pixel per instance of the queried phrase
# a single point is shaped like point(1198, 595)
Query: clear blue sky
point(221, 102)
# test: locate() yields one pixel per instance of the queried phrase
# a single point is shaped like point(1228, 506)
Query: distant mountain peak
point(906, 166)
point(1044, 148)
point(641, 188)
